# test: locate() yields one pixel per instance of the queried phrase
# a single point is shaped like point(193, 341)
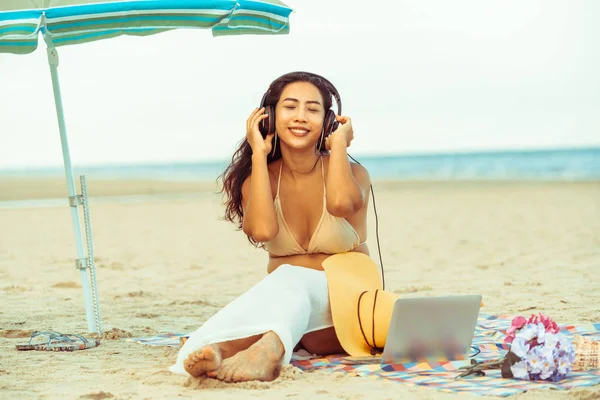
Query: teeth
point(300, 131)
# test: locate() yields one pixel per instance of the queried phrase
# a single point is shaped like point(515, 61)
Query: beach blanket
point(488, 339)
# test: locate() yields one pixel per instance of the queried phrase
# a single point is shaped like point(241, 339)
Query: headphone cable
point(376, 228)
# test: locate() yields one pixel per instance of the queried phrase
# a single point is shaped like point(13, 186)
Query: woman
point(293, 192)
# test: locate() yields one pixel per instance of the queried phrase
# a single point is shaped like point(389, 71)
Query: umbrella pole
point(74, 200)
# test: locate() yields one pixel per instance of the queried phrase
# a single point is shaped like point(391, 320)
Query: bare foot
point(204, 360)
point(260, 362)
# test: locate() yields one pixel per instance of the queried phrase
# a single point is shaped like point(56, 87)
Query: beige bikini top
point(332, 235)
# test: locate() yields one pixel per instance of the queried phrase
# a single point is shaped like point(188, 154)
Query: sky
point(415, 76)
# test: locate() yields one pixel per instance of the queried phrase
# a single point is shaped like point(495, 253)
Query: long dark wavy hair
point(241, 162)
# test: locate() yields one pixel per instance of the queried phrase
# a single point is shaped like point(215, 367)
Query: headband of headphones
point(332, 90)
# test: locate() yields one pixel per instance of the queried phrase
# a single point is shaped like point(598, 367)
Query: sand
point(167, 263)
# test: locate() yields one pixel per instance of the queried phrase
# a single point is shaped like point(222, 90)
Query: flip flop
point(58, 342)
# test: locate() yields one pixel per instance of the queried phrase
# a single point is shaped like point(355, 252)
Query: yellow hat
point(360, 309)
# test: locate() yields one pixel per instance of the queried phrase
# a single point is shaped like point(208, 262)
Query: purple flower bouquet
point(538, 351)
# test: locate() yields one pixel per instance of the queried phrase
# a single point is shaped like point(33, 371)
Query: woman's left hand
point(344, 133)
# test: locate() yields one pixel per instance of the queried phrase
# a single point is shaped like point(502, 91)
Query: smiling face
point(299, 116)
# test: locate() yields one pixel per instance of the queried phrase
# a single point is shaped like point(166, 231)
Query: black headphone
point(330, 124)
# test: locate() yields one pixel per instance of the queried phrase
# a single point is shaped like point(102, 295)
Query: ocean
point(560, 164)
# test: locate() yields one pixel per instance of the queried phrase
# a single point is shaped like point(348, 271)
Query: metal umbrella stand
point(69, 22)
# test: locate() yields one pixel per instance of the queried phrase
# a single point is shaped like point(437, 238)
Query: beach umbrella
point(70, 22)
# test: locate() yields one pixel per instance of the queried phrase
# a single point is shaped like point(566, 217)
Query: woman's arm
point(347, 184)
point(260, 220)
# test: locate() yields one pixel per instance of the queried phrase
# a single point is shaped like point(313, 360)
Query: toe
point(208, 353)
point(221, 372)
point(189, 363)
point(229, 375)
point(239, 376)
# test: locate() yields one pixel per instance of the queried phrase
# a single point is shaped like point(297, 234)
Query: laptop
point(428, 329)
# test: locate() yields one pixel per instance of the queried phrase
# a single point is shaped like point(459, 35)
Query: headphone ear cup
point(267, 125)
point(330, 124)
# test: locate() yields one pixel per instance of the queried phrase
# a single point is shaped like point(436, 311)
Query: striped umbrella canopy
point(78, 21)
point(68, 22)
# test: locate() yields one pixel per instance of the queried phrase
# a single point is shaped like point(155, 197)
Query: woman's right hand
point(258, 144)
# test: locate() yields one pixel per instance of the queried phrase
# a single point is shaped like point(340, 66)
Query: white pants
point(291, 302)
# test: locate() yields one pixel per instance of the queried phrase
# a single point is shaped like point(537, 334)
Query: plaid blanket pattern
point(489, 336)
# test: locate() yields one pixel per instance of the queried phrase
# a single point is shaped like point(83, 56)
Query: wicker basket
point(587, 353)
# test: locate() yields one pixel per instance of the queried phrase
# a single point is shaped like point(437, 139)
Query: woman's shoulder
point(361, 174)
point(272, 167)
point(358, 170)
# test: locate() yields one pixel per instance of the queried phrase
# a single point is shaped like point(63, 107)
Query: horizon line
point(363, 155)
